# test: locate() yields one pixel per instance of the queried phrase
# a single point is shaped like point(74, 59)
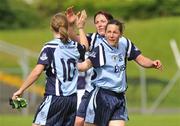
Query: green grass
point(15, 120)
point(150, 36)
point(154, 120)
point(135, 120)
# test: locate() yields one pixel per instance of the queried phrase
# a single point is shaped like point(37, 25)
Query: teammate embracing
point(107, 104)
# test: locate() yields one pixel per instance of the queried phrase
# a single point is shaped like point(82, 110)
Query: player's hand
point(81, 19)
point(70, 15)
point(17, 94)
point(157, 64)
point(18, 103)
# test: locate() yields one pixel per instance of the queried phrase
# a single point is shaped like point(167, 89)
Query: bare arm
point(84, 66)
point(80, 23)
point(148, 63)
point(71, 17)
point(79, 19)
point(33, 76)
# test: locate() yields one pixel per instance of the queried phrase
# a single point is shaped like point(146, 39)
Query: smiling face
point(100, 23)
point(112, 34)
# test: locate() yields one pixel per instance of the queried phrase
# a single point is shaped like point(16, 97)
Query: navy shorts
point(105, 106)
point(81, 112)
point(57, 111)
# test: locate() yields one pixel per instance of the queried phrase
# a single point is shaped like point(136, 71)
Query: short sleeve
point(44, 57)
point(132, 51)
point(97, 56)
point(82, 50)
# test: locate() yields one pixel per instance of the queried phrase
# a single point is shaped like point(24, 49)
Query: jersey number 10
point(68, 69)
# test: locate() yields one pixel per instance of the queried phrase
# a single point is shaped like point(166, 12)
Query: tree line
point(20, 14)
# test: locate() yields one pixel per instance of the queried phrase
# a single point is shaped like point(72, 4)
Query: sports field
point(135, 120)
point(155, 33)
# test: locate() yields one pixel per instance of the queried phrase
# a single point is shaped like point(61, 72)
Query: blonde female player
point(58, 58)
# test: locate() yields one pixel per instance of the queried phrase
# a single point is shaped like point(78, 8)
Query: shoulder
point(124, 41)
point(52, 43)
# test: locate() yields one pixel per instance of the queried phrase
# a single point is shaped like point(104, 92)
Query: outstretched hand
point(71, 16)
point(81, 19)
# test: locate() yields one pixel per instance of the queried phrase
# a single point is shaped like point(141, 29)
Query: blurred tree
point(49, 7)
point(5, 14)
point(17, 14)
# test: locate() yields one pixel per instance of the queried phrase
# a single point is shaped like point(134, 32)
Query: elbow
point(82, 67)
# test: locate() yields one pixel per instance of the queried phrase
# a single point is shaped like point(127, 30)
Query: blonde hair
point(59, 24)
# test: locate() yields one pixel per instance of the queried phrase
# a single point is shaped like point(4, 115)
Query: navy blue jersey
point(60, 65)
point(110, 64)
point(94, 40)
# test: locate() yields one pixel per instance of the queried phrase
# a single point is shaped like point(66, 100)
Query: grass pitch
point(135, 120)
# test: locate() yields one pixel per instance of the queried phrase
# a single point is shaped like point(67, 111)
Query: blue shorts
point(81, 112)
point(57, 111)
point(104, 106)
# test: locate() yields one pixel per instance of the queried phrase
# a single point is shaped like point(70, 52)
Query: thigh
point(106, 104)
point(58, 111)
point(79, 121)
point(111, 106)
point(117, 123)
point(120, 111)
point(42, 111)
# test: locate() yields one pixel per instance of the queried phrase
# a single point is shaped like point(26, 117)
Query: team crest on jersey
point(117, 57)
point(43, 56)
point(114, 57)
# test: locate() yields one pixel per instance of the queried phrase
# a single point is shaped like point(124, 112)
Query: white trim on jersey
point(92, 40)
point(90, 111)
point(129, 49)
point(101, 58)
point(57, 87)
point(46, 46)
point(41, 117)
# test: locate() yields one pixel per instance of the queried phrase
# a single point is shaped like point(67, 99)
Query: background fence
point(9, 81)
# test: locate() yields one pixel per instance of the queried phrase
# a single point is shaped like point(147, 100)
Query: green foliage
point(129, 9)
point(17, 13)
point(48, 7)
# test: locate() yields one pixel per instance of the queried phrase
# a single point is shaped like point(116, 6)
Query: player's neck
point(56, 35)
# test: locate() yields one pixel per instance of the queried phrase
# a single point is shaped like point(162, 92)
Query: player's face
point(100, 23)
point(112, 34)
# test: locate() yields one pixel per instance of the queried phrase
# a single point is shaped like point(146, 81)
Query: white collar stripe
point(51, 46)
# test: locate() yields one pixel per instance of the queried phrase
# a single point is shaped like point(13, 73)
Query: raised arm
point(80, 23)
point(148, 63)
point(71, 17)
point(79, 20)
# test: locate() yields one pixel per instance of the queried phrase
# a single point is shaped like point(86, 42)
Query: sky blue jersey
point(60, 66)
point(110, 64)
